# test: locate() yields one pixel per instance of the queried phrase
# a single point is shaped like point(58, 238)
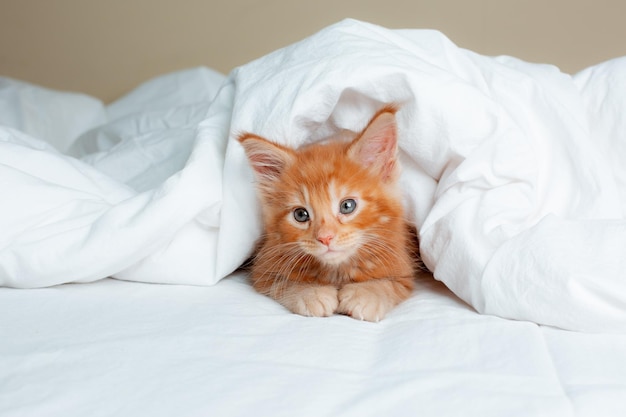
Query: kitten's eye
point(301, 215)
point(347, 206)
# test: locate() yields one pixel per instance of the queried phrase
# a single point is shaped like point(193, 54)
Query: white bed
point(513, 172)
point(116, 348)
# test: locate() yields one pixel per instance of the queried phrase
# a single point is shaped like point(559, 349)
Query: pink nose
point(325, 239)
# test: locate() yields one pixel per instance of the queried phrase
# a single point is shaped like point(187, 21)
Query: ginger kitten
point(336, 240)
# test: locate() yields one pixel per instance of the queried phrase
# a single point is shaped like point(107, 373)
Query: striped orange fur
point(335, 237)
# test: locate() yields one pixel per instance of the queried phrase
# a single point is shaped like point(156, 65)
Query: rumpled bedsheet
point(514, 173)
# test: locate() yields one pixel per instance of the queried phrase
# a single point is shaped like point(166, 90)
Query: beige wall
point(106, 47)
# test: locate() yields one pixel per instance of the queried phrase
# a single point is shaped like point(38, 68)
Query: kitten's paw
point(369, 301)
point(312, 301)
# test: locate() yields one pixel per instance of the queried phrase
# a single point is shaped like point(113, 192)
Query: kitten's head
point(331, 200)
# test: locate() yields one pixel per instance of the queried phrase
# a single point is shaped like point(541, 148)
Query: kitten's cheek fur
point(312, 301)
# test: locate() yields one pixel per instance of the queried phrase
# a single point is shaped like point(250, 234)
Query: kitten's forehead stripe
point(332, 193)
point(305, 195)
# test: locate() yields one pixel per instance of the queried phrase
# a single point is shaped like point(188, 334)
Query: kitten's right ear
point(377, 145)
point(267, 159)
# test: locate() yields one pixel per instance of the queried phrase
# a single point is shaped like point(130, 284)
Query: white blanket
point(513, 171)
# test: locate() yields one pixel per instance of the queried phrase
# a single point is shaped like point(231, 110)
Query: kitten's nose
point(325, 239)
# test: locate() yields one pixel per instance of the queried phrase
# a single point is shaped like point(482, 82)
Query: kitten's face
point(325, 220)
point(330, 201)
point(327, 204)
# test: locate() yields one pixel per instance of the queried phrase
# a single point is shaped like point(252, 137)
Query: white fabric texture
point(512, 171)
point(125, 349)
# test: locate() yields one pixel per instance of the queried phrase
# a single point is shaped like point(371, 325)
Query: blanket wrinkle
point(512, 171)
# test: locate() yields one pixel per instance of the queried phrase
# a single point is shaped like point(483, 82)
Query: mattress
point(124, 227)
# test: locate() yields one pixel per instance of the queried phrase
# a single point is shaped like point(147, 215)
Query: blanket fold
point(512, 171)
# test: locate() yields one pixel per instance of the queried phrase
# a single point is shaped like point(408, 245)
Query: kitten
point(335, 236)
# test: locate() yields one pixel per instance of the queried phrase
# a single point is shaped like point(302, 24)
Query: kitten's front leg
point(372, 300)
point(312, 300)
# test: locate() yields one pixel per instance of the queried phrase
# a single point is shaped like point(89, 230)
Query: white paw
point(312, 301)
point(367, 301)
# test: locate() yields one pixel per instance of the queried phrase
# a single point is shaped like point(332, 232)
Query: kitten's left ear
point(377, 145)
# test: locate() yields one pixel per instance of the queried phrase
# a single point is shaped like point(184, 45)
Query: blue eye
point(301, 215)
point(347, 206)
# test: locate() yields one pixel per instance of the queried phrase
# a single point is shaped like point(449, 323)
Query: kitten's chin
point(334, 257)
